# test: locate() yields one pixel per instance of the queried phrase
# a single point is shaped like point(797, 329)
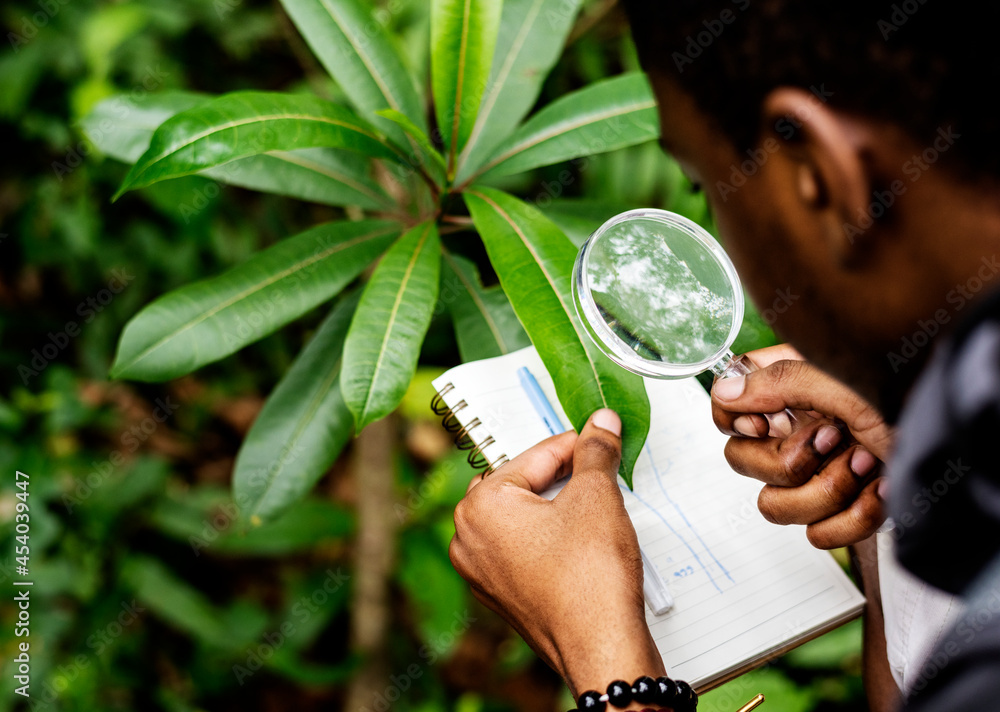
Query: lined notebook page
point(744, 589)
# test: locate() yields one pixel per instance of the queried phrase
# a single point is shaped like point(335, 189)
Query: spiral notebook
point(744, 590)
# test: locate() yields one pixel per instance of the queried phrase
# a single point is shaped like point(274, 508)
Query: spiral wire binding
point(463, 439)
point(476, 457)
point(437, 402)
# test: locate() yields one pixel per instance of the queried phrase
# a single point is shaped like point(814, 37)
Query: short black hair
point(923, 65)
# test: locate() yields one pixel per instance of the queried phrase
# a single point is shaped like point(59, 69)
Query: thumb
point(790, 384)
point(598, 450)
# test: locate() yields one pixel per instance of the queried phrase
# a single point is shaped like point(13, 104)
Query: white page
point(741, 585)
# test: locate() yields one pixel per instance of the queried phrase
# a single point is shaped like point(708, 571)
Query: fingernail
point(727, 389)
point(745, 425)
point(883, 489)
point(862, 462)
point(826, 439)
point(607, 419)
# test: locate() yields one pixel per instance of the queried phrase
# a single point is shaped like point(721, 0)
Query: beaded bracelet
point(645, 690)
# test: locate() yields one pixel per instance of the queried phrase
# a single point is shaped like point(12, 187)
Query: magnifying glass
point(662, 299)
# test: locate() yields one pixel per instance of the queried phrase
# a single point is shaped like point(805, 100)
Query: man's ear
point(829, 178)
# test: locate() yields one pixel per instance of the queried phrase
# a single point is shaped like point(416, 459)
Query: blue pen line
point(663, 489)
point(537, 397)
point(673, 531)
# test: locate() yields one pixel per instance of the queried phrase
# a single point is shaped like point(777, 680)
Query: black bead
point(667, 691)
point(619, 693)
point(686, 697)
point(644, 690)
point(591, 700)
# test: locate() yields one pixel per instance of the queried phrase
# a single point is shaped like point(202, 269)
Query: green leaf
point(121, 127)
point(301, 429)
point(184, 607)
point(355, 49)
point(485, 322)
point(428, 158)
point(463, 37)
point(534, 261)
point(249, 123)
point(383, 343)
point(531, 38)
point(208, 320)
point(604, 116)
point(438, 595)
point(313, 522)
point(579, 217)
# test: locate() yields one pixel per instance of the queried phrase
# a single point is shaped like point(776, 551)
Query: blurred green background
point(145, 597)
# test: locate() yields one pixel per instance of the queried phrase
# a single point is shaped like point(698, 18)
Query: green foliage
point(247, 124)
point(357, 53)
point(305, 420)
point(610, 114)
point(383, 344)
point(485, 323)
point(208, 320)
point(133, 513)
point(534, 261)
point(463, 37)
point(487, 64)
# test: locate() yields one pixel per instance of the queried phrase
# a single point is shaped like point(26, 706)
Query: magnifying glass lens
point(658, 294)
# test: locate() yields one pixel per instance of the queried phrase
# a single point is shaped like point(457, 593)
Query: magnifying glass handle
point(783, 423)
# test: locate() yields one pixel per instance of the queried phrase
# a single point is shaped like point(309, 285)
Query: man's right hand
point(838, 497)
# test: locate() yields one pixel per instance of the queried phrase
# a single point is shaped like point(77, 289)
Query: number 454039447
point(21, 551)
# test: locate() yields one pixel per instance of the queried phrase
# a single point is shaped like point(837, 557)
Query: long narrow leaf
point(463, 37)
point(355, 49)
point(485, 322)
point(208, 320)
point(121, 127)
point(601, 117)
point(380, 354)
point(425, 156)
point(245, 124)
point(534, 261)
point(532, 35)
point(301, 429)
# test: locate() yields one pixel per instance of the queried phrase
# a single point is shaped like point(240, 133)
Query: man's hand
point(566, 573)
point(807, 481)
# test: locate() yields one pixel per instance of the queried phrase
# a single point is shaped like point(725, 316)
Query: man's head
point(848, 150)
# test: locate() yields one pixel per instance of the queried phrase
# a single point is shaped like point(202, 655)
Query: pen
point(751, 704)
point(537, 397)
point(654, 589)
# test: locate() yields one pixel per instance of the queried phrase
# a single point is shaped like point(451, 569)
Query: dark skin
point(858, 297)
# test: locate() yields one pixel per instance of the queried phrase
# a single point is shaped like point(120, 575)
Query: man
point(849, 153)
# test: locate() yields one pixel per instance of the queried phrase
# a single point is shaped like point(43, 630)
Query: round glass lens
point(658, 294)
